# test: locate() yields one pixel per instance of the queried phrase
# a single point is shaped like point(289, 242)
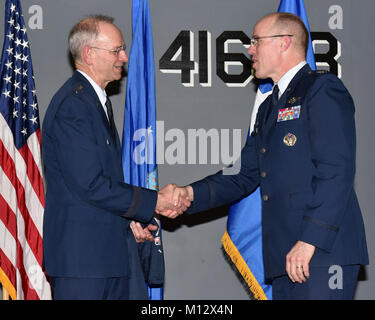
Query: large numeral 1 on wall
point(205, 60)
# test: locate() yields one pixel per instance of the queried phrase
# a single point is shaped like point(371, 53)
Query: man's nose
point(251, 50)
point(123, 56)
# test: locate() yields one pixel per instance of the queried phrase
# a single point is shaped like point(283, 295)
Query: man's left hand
point(297, 261)
point(142, 234)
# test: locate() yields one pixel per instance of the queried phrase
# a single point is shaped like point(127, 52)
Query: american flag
point(21, 182)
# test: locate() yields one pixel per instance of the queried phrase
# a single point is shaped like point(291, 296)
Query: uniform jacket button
point(265, 197)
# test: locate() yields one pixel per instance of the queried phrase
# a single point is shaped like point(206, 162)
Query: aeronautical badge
point(294, 100)
point(290, 113)
point(290, 140)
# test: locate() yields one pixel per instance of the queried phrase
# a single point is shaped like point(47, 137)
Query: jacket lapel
point(273, 116)
point(93, 99)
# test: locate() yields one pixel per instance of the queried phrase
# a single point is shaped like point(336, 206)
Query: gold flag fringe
point(7, 285)
point(242, 267)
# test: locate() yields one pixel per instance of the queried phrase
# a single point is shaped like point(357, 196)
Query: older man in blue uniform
point(89, 249)
point(302, 154)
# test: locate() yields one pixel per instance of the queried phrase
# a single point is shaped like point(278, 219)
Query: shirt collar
point(102, 95)
point(284, 81)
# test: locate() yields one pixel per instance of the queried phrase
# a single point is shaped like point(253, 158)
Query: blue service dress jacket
point(303, 158)
point(88, 206)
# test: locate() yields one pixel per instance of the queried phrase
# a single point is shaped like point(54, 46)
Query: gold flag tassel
point(239, 264)
point(8, 289)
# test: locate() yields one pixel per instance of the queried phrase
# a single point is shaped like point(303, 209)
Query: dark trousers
point(325, 283)
point(90, 288)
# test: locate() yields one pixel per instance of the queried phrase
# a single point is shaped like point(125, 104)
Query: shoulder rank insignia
point(78, 89)
point(290, 113)
point(290, 140)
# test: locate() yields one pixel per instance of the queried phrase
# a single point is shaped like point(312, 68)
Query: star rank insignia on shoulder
point(318, 72)
point(78, 89)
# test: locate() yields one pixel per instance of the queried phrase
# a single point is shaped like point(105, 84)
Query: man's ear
point(87, 54)
point(285, 44)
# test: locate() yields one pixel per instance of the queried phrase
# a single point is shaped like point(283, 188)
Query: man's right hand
point(173, 200)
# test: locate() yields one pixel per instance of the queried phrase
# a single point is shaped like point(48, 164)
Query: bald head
point(288, 23)
point(280, 44)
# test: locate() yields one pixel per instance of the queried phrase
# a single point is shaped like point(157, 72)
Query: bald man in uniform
point(302, 154)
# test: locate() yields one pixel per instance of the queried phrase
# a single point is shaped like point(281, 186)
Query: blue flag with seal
point(139, 132)
point(242, 240)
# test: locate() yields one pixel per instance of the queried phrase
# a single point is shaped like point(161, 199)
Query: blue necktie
point(275, 95)
point(112, 125)
point(274, 100)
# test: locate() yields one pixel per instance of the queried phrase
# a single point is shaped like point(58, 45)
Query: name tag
point(290, 113)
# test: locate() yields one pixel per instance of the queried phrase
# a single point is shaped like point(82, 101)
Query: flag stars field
point(21, 182)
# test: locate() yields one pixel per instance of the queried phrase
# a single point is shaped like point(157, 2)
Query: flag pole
point(5, 294)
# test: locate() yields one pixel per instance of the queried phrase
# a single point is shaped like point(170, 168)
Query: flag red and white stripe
point(21, 182)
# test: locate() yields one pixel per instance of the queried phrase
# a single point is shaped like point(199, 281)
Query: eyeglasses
point(115, 51)
point(254, 41)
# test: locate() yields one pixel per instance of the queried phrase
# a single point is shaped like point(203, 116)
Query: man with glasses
point(302, 154)
point(89, 249)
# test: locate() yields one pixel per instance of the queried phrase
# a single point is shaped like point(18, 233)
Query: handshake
point(173, 201)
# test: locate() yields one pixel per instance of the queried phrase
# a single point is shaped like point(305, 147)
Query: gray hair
point(85, 32)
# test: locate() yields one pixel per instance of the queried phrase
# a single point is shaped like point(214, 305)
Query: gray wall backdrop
point(195, 266)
